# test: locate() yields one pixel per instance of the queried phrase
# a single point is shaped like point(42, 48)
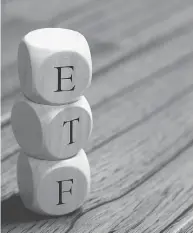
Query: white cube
point(54, 65)
point(51, 132)
point(53, 187)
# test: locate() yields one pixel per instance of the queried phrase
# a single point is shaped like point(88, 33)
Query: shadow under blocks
point(14, 211)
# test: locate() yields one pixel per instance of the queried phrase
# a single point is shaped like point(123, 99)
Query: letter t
point(71, 128)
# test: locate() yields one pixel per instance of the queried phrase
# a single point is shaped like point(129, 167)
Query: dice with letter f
point(53, 187)
point(52, 120)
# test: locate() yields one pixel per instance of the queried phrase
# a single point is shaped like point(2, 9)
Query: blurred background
point(116, 30)
point(142, 50)
point(113, 29)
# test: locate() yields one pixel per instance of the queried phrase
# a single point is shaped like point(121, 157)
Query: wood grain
point(141, 157)
point(134, 74)
point(149, 207)
point(183, 223)
point(141, 154)
point(172, 49)
point(118, 51)
point(186, 228)
point(141, 97)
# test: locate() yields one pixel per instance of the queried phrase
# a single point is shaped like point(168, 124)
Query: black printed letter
point(60, 78)
point(60, 190)
point(71, 129)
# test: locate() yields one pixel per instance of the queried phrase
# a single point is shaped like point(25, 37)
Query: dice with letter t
point(54, 65)
point(51, 132)
point(53, 187)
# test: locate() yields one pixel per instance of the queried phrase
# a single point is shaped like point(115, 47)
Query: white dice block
point(54, 65)
point(51, 132)
point(53, 187)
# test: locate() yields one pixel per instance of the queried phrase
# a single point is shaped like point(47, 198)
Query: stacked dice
point(52, 120)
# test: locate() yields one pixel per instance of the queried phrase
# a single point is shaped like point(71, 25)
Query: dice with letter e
point(54, 65)
point(53, 187)
point(51, 132)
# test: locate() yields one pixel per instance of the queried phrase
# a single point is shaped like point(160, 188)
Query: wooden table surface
point(141, 149)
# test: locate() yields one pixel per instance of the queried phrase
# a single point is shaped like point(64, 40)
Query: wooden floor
point(141, 149)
